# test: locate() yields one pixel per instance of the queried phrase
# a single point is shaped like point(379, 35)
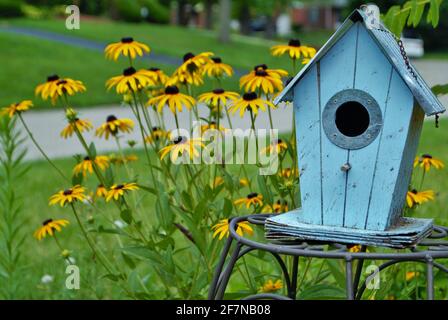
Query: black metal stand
point(426, 251)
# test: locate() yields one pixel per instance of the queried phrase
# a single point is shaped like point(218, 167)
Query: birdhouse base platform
point(288, 227)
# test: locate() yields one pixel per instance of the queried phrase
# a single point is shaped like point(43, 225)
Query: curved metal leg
point(227, 273)
point(216, 276)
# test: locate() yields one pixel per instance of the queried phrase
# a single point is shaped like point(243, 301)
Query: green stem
point(41, 150)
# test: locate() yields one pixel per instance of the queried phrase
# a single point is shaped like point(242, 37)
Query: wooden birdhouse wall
point(372, 193)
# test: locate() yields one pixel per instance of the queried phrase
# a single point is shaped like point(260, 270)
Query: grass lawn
point(242, 52)
point(26, 61)
point(42, 257)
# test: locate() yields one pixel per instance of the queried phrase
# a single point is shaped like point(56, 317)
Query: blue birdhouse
point(359, 107)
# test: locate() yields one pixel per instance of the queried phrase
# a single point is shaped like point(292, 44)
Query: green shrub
point(10, 8)
point(128, 10)
point(158, 13)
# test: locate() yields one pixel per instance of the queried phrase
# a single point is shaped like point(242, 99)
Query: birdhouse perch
point(359, 106)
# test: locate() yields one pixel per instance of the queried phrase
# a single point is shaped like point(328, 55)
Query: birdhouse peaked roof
point(389, 46)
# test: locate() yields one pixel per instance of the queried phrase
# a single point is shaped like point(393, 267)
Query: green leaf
point(77, 179)
point(440, 89)
point(264, 189)
point(335, 268)
point(92, 150)
point(128, 260)
point(148, 189)
point(433, 13)
point(417, 10)
point(227, 208)
point(322, 291)
point(126, 215)
point(186, 200)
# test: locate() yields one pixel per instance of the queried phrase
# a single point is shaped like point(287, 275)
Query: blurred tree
point(224, 25)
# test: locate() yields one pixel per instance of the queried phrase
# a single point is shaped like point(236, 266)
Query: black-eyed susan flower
point(101, 191)
point(156, 135)
point(194, 63)
point(119, 160)
point(217, 182)
point(244, 182)
point(127, 47)
point(295, 50)
point(354, 248)
point(75, 193)
point(160, 78)
point(252, 199)
point(277, 147)
point(76, 124)
point(118, 190)
point(218, 97)
point(411, 275)
point(184, 78)
point(264, 79)
point(222, 228)
point(415, 197)
point(250, 102)
point(173, 99)
point(86, 165)
point(271, 286)
point(287, 173)
point(46, 90)
point(182, 145)
point(279, 206)
point(19, 107)
point(427, 161)
point(213, 126)
point(216, 68)
point(113, 126)
point(49, 227)
point(130, 81)
point(67, 86)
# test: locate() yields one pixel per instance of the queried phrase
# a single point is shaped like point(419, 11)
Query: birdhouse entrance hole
point(352, 119)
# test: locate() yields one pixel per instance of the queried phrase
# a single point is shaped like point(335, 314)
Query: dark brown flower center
point(171, 90)
point(249, 96)
point(279, 141)
point(120, 186)
point(155, 129)
point(47, 222)
point(129, 72)
point(127, 40)
point(87, 158)
point(188, 56)
point(252, 195)
point(68, 192)
point(154, 69)
point(111, 118)
point(261, 73)
point(414, 191)
point(61, 82)
point(217, 60)
point(427, 156)
point(260, 66)
point(53, 77)
point(294, 43)
point(179, 139)
point(218, 91)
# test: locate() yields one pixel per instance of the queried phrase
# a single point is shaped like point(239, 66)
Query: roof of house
point(388, 44)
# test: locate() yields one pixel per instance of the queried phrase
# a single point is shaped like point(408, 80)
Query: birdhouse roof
point(389, 46)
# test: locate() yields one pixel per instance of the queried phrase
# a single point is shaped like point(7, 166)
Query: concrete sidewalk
point(47, 125)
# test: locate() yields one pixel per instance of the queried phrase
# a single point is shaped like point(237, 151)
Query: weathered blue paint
point(373, 72)
point(307, 109)
point(389, 158)
point(363, 203)
point(337, 69)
